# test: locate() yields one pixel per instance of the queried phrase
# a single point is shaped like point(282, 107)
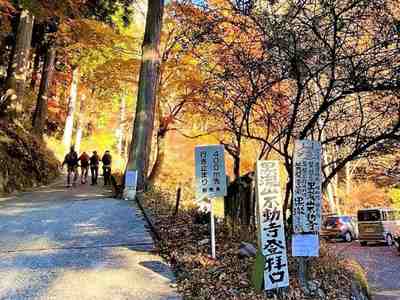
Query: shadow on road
point(55, 245)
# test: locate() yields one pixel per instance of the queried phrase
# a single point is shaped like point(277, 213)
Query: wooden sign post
point(307, 203)
point(210, 179)
point(272, 242)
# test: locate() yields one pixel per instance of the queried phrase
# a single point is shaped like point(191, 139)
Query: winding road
point(78, 243)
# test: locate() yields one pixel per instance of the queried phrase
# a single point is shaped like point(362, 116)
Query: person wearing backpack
point(84, 159)
point(107, 160)
point(94, 167)
point(71, 160)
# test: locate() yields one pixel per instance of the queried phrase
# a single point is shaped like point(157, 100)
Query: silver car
point(342, 227)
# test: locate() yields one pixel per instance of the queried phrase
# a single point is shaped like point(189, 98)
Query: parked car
point(378, 225)
point(342, 227)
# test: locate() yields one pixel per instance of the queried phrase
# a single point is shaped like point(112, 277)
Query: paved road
point(59, 243)
point(382, 265)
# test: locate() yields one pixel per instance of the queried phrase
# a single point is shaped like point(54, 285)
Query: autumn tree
point(321, 71)
point(340, 66)
point(19, 58)
point(139, 155)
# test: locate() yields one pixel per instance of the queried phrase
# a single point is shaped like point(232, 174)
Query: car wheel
point(348, 237)
point(389, 240)
point(363, 244)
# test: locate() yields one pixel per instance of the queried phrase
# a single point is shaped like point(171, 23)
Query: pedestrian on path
point(94, 167)
point(71, 160)
point(84, 159)
point(107, 160)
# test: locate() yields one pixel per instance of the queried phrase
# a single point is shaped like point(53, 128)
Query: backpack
point(71, 159)
point(106, 159)
point(94, 160)
point(84, 160)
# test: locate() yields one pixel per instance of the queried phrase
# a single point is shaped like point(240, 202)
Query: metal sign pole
point(212, 230)
point(210, 180)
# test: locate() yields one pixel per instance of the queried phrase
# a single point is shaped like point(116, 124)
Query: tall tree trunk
point(80, 124)
point(35, 69)
point(122, 125)
point(19, 60)
point(348, 179)
point(40, 114)
point(139, 155)
point(127, 143)
point(329, 191)
point(160, 157)
point(236, 166)
point(3, 51)
point(69, 122)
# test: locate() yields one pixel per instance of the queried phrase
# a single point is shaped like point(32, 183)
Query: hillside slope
point(24, 160)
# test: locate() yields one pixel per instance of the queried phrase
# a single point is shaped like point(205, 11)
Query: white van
point(378, 225)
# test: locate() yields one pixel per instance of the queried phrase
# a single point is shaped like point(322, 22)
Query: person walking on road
point(84, 159)
point(71, 160)
point(94, 167)
point(107, 160)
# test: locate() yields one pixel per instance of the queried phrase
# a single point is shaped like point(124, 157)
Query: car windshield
point(369, 215)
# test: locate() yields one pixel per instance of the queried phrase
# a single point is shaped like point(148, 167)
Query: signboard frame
point(210, 172)
point(272, 241)
point(307, 190)
point(211, 180)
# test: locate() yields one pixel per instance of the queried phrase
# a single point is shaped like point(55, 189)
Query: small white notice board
point(131, 179)
point(210, 179)
point(210, 172)
point(305, 245)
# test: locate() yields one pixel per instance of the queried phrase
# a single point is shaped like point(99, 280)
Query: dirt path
point(58, 243)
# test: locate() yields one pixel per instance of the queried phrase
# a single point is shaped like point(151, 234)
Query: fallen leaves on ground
point(186, 246)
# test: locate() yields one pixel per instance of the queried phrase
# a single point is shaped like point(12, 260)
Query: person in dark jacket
point(71, 160)
point(107, 160)
point(94, 167)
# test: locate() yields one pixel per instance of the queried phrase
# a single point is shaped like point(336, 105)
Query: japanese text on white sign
point(131, 179)
point(210, 172)
point(271, 229)
point(307, 187)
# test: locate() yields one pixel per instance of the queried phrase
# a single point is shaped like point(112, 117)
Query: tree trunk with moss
point(139, 154)
point(40, 114)
point(19, 60)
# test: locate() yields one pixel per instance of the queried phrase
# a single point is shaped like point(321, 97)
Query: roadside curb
point(148, 217)
point(360, 289)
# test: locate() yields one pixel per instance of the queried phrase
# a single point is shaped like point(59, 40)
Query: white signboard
point(210, 172)
point(271, 228)
point(307, 197)
point(305, 245)
point(131, 179)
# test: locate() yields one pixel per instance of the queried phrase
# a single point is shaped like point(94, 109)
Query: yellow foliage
point(363, 195)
